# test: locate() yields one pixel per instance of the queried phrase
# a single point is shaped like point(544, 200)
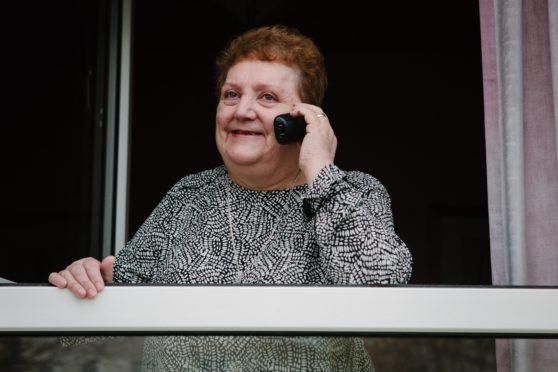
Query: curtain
point(520, 76)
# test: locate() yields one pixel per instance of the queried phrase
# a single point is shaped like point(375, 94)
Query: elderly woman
point(272, 214)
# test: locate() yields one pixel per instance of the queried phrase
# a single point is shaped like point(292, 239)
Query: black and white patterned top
point(209, 230)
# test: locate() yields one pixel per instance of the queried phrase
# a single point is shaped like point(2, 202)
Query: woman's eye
point(268, 97)
point(230, 94)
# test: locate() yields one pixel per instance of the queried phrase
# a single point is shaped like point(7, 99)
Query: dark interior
point(405, 100)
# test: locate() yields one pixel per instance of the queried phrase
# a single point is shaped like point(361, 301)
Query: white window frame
point(401, 310)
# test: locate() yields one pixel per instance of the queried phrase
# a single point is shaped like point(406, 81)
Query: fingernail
point(99, 286)
point(91, 292)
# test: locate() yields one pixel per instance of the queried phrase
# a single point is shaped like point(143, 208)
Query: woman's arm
point(142, 255)
point(354, 229)
point(135, 263)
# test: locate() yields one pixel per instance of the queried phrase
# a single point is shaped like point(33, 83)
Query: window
point(392, 319)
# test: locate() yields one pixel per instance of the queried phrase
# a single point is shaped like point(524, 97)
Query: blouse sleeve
point(354, 229)
point(139, 259)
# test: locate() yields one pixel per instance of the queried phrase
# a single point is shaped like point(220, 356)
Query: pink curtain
point(520, 76)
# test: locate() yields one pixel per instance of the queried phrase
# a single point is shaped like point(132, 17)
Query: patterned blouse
point(209, 230)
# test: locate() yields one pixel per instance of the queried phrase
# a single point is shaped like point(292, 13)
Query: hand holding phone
point(289, 129)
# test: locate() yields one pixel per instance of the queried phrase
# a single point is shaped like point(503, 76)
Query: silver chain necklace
point(236, 258)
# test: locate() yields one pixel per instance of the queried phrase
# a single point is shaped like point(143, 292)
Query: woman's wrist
point(322, 188)
point(312, 173)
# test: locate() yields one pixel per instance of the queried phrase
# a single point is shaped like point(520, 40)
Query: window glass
point(126, 353)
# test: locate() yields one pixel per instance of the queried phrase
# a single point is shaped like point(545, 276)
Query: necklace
point(236, 257)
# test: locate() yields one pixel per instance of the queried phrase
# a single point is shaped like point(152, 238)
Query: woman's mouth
point(244, 133)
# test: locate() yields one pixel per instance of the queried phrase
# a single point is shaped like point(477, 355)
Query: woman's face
point(253, 94)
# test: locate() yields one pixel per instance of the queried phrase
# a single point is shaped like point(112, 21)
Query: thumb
point(106, 268)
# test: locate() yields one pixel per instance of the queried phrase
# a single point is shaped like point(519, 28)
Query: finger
point(79, 272)
point(73, 285)
point(107, 268)
point(314, 117)
point(57, 280)
point(304, 108)
point(93, 271)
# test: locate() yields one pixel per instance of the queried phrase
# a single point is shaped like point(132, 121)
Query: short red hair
point(280, 44)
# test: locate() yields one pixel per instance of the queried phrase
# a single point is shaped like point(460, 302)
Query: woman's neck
point(264, 179)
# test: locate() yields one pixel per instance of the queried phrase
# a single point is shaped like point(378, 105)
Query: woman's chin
point(243, 158)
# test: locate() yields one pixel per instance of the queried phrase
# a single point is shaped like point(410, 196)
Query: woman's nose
point(245, 110)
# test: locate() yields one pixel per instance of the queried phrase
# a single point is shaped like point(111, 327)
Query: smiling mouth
point(245, 133)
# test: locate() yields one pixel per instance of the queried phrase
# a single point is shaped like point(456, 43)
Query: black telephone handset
point(289, 129)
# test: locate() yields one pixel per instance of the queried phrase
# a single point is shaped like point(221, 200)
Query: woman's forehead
point(255, 72)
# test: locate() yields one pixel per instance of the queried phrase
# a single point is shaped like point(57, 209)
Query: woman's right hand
point(85, 277)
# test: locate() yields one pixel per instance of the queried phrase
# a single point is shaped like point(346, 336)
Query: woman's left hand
point(319, 145)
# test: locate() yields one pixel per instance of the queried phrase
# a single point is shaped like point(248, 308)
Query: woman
point(272, 214)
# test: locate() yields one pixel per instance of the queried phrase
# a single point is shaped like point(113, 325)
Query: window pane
point(126, 353)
